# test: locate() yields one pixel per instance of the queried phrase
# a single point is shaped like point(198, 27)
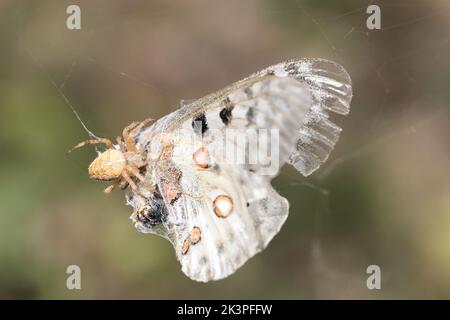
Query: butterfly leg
point(104, 141)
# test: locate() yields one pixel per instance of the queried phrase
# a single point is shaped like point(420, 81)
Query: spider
point(118, 166)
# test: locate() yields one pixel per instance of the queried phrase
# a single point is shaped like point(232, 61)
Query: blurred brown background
point(382, 198)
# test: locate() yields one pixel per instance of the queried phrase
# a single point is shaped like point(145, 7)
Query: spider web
point(338, 30)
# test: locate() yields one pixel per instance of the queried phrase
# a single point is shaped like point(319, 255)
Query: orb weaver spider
point(118, 166)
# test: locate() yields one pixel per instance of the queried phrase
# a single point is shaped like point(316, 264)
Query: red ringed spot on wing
point(185, 246)
point(201, 157)
point(196, 235)
point(223, 205)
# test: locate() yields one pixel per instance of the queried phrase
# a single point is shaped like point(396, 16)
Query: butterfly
point(216, 211)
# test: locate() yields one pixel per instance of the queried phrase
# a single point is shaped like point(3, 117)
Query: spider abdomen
point(107, 166)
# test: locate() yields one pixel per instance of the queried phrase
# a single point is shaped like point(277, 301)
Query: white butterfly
point(216, 212)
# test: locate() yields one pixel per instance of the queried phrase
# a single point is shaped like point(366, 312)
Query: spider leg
point(131, 126)
point(123, 184)
point(121, 144)
point(112, 186)
point(107, 142)
point(128, 138)
point(141, 125)
point(130, 131)
point(135, 172)
point(130, 181)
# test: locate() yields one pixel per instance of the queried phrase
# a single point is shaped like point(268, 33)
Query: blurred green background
point(382, 198)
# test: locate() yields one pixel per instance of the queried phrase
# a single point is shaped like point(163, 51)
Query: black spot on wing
point(215, 168)
point(249, 92)
point(199, 124)
point(250, 114)
point(226, 114)
point(220, 248)
point(203, 261)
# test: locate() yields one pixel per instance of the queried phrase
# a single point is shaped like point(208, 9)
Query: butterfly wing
point(210, 245)
point(292, 99)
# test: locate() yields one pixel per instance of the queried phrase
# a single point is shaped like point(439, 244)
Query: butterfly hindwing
point(226, 241)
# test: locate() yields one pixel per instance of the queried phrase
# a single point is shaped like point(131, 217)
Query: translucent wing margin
point(331, 91)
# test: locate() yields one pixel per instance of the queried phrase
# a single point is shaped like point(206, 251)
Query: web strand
point(58, 89)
